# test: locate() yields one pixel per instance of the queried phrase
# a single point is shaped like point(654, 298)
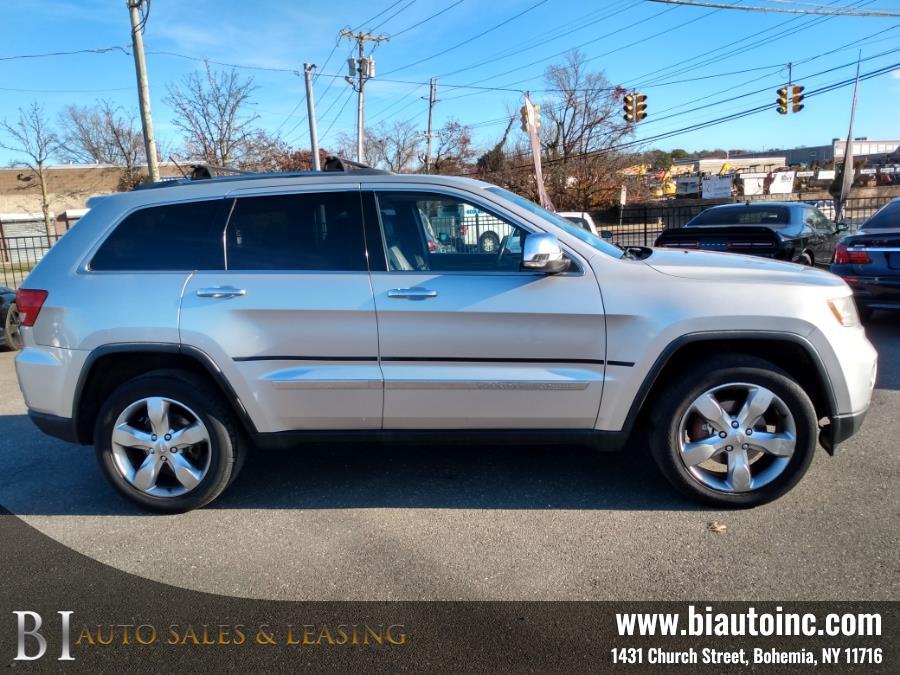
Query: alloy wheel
point(161, 447)
point(737, 437)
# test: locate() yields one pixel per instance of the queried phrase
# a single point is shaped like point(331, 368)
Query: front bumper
point(840, 428)
point(63, 428)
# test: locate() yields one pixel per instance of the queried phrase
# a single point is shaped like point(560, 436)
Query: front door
point(469, 341)
point(291, 318)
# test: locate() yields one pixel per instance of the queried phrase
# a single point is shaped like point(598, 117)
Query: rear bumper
point(874, 292)
point(840, 429)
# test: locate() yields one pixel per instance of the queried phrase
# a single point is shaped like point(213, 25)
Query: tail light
point(683, 244)
point(850, 256)
point(432, 247)
point(28, 303)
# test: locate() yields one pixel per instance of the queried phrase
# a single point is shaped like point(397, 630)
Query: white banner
point(782, 183)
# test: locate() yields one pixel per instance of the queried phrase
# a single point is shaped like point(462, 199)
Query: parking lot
point(381, 522)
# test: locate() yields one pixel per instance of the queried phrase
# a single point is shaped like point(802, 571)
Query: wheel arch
point(792, 353)
point(109, 366)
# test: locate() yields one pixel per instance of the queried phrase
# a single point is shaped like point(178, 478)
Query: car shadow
point(47, 477)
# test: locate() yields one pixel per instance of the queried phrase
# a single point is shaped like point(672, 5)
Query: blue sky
point(664, 49)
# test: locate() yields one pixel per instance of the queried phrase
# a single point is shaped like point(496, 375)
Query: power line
point(781, 10)
point(713, 122)
point(399, 11)
point(125, 49)
point(384, 11)
point(471, 39)
point(433, 16)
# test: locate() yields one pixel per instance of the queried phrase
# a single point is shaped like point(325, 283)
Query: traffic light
point(782, 101)
point(524, 114)
point(537, 116)
point(640, 107)
point(797, 98)
point(635, 107)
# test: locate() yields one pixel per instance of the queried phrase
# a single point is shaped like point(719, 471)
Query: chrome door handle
point(220, 292)
point(414, 293)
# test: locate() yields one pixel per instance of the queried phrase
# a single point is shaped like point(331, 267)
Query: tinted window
point(315, 231)
point(743, 215)
point(434, 232)
point(887, 216)
point(170, 237)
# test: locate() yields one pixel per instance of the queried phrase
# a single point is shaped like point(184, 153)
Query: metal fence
point(475, 233)
point(640, 225)
point(19, 255)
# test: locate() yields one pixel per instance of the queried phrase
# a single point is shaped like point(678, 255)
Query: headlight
point(844, 310)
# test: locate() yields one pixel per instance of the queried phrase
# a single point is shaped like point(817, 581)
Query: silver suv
point(177, 326)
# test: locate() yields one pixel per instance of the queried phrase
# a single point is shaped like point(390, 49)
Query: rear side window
point(173, 237)
point(313, 231)
point(744, 215)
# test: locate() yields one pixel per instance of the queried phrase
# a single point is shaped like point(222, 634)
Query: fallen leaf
point(717, 527)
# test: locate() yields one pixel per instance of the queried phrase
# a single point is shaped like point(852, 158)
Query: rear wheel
point(489, 242)
point(740, 433)
point(168, 441)
point(12, 337)
point(805, 259)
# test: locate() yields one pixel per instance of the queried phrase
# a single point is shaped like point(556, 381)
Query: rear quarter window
point(171, 237)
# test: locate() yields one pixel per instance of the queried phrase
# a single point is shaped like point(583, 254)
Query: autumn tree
point(211, 112)
point(34, 142)
point(103, 134)
point(394, 146)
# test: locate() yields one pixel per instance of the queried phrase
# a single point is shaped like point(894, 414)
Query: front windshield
point(563, 224)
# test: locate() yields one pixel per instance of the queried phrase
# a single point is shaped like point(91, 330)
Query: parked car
point(869, 261)
point(9, 324)
point(582, 219)
point(184, 322)
point(792, 231)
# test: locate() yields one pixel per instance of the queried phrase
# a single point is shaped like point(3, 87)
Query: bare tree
point(33, 140)
point(104, 134)
point(394, 146)
point(583, 125)
point(210, 112)
point(454, 151)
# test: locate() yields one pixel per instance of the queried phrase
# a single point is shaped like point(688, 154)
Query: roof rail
point(205, 172)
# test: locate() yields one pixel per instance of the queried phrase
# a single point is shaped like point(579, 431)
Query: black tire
point(227, 444)
point(489, 242)
point(672, 405)
point(12, 338)
point(805, 259)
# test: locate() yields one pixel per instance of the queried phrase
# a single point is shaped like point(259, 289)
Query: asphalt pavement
point(482, 523)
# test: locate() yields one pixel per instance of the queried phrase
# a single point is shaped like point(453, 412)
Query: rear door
point(467, 339)
point(291, 318)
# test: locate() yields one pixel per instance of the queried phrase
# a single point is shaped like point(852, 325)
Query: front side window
point(434, 232)
point(171, 237)
point(311, 231)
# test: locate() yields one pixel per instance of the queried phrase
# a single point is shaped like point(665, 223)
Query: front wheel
point(489, 242)
point(168, 441)
point(740, 432)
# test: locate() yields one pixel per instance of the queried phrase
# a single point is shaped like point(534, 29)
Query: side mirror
point(542, 252)
point(606, 234)
point(841, 227)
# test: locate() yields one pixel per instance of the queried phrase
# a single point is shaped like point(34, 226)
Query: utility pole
point(311, 114)
point(140, 67)
point(361, 69)
point(432, 99)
